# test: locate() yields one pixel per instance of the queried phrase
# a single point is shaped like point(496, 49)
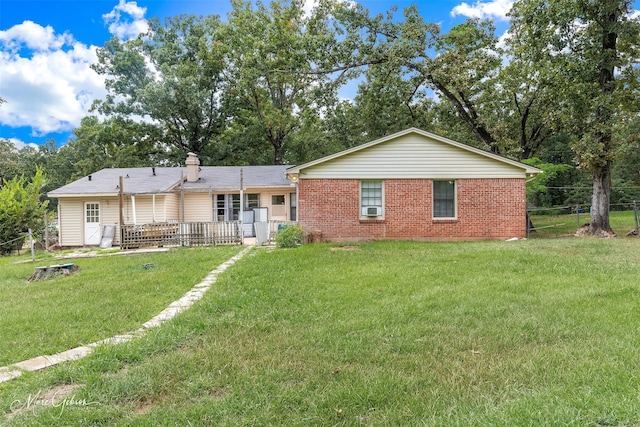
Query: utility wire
point(11, 241)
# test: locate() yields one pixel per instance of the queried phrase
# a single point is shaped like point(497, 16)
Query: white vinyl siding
point(111, 215)
point(71, 222)
point(198, 207)
point(148, 211)
point(413, 156)
point(172, 207)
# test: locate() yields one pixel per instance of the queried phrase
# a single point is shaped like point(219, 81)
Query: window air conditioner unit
point(371, 211)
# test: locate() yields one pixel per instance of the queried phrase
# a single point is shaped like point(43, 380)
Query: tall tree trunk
point(277, 144)
point(600, 225)
point(601, 175)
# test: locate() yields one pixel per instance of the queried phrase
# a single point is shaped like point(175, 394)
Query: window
point(277, 200)
point(293, 206)
point(220, 207)
point(371, 198)
point(92, 212)
point(444, 199)
point(227, 206)
point(251, 201)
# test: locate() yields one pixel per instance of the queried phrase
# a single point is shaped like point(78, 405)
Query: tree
point(9, 160)
point(165, 85)
point(271, 51)
point(591, 47)
point(21, 208)
point(464, 67)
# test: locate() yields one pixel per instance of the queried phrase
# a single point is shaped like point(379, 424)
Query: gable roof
point(143, 181)
point(413, 153)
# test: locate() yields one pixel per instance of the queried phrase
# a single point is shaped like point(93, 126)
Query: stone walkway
point(8, 373)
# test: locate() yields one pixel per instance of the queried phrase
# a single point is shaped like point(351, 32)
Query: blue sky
point(47, 47)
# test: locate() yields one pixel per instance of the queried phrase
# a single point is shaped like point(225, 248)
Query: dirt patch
point(143, 407)
point(217, 393)
point(585, 231)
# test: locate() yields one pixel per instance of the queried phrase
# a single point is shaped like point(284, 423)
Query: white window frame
point(455, 200)
point(369, 203)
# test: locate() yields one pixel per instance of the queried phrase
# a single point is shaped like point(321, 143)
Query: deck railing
point(181, 234)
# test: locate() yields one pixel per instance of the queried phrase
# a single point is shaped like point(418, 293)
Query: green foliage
point(594, 64)
point(290, 236)
point(20, 209)
point(9, 162)
point(537, 186)
point(261, 87)
point(171, 75)
point(271, 89)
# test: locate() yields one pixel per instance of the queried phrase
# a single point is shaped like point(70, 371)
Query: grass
point(537, 332)
point(107, 296)
point(563, 225)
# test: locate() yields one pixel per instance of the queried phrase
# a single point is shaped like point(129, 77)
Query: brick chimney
point(193, 167)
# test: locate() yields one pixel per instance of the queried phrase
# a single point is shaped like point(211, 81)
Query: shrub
point(289, 237)
point(20, 209)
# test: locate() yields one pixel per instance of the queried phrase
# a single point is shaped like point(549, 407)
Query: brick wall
point(486, 209)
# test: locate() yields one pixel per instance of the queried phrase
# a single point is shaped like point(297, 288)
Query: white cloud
point(126, 20)
point(46, 79)
point(32, 36)
point(496, 9)
point(20, 144)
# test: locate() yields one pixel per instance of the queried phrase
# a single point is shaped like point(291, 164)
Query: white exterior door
point(92, 223)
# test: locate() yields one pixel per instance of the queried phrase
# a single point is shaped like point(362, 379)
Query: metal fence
point(559, 221)
point(181, 234)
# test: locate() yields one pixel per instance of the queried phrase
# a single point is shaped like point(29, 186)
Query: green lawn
point(107, 296)
point(564, 225)
point(536, 332)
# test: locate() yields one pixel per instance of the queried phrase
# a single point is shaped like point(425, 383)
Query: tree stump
point(50, 271)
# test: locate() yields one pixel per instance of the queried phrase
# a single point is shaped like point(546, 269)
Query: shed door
point(91, 223)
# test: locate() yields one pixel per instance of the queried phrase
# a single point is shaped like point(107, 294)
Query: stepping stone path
point(8, 373)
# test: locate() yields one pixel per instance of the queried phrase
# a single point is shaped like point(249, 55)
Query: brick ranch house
point(412, 185)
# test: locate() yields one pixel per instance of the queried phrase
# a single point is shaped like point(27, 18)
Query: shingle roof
point(136, 180)
point(143, 181)
point(228, 177)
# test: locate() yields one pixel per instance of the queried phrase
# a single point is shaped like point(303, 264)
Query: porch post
point(241, 216)
point(133, 208)
point(120, 207)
